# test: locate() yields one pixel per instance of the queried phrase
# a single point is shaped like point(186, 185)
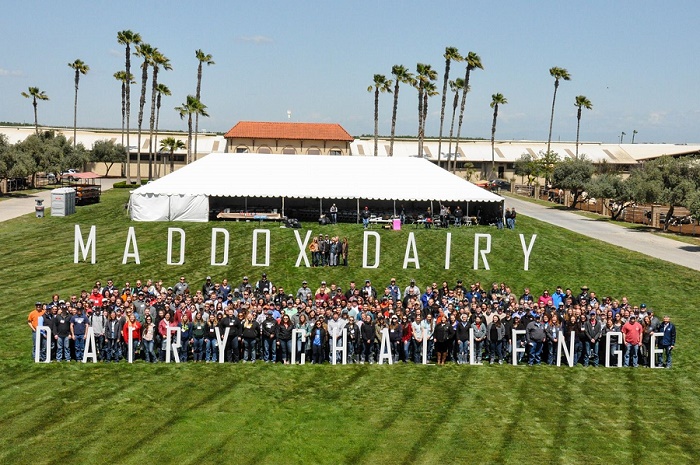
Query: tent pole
point(320, 207)
point(246, 204)
point(283, 206)
point(357, 219)
point(394, 208)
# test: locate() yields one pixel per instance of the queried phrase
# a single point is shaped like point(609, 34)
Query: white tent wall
point(229, 175)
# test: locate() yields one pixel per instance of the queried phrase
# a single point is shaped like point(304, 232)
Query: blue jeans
point(249, 352)
point(496, 350)
point(632, 350)
point(365, 222)
point(478, 349)
point(134, 346)
point(79, 346)
point(667, 354)
point(286, 349)
point(63, 349)
point(212, 350)
point(198, 347)
point(183, 351)
point(578, 348)
point(590, 350)
point(42, 347)
point(270, 349)
point(406, 350)
point(463, 349)
point(148, 351)
point(536, 352)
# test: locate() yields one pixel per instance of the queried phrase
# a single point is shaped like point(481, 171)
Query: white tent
point(184, 194)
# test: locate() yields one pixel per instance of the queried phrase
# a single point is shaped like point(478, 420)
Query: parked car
point(496, 184)
point(68, 174)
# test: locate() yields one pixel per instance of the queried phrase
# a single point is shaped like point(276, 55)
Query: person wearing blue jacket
point(668, 341)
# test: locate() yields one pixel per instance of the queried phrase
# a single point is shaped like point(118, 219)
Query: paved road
point(666, 249)
point(12, 208)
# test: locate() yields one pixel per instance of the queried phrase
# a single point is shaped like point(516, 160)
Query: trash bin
point(396, 224)
point(39, 208)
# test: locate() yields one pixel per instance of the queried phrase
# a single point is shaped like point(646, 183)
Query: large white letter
point(448, 250)
point(90, 346)
point(376, 249)
point(654, 350)
point(302, 248)
point(527, 249)
point(130, 358)
point(131, 237)
point(214, 233)
point(37, 344)
point(170, 246)
point(385, 348)
point(411, 249)
point(618, 352)
point(221, 343)
point(172, 346)
point(486, 250)
point(302, 333)
point(568, 351)
point(254, 261)
point(516, 345)
point(336, 349)
point(83, 247)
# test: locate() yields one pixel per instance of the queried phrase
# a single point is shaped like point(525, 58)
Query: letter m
point(83, 247)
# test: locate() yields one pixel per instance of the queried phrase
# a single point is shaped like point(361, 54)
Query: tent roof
point(313, 176)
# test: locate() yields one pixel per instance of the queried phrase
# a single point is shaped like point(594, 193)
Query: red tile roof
point(295, 131)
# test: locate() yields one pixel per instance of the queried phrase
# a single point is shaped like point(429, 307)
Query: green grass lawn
point(259, 413)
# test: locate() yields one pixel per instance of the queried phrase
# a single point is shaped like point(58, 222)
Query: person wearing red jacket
point(632, 334)
point(134, 327)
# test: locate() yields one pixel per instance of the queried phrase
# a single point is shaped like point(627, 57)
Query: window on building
point(264, 149)
point(335, 152)
point(242, 149)
point(289, 150)
point(314, 151)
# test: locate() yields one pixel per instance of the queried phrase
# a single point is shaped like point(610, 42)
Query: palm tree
point(192, 106)
point(451, 54)
point(202, 58)
point(401, 75)
point(582, 102)
point(496, 99)
point(455, 86)
point(425, 74)
point(381, 84)
point(161, 89)
point(144, 51)
point(126, 38)
point(158, 60)
point(80, 68)
point(473, 61)
point(35, 94)
point(171, 144)
point(429, 90)
point(121, 77)
point(557, 74)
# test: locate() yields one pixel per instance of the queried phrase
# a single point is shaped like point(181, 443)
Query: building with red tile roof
point(288, 138)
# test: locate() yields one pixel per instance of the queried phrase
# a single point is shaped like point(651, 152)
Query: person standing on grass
point(480, 332)
point(198, 330)
point(495, 335)
point(594, 331)
point(61, 331)
point(536, 336)
point(632, 335)
point(250, 334)
point(33, 322)
point(112, 335)
point(668, 341)
point(132, 327)
point(365, 217)
point(344, 251)
point(334, 214)
point(318, 341)
point(148, 330)
point(284, 338)
point(78, 328)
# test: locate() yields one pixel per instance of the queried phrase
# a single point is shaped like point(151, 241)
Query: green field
point(259, 413)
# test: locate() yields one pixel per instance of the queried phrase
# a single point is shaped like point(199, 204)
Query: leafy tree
point(546, 163)
point(451, 54)
point(612, 187)
point(170, 144)
point(581, 102)
point(80, 68)
point(380, 84)
point(667, 180)
point(35, 94)
point(573, 174)
point(107, 152)
point(496, 99)
point(190, 107)
point(126, 38)
point(202, 58)
point(557, 74)
point(526, 165)
point(401, 76)
point(473, 62)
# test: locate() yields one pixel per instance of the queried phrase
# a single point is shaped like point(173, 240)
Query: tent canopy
point(299, 176)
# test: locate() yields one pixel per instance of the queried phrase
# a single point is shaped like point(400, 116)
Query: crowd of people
point(253, 321)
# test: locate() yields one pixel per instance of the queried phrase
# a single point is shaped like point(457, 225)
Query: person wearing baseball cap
point(632, 335)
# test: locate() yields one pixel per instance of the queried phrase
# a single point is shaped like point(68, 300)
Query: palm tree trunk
point(196, 116)
point(452, 126)
point(162, 158)
point(172, 162)
point(420, 120)
point(75, 110)
point(442, 108)
point(152, 122)
point(142, 102)
point(393, 118)
point(128, 112)
point(551, 118)
point(376, 120)
point(189, 138)
point(425, 117)
point(461, 118)
point(36, 118)
point(578, 127)
point(493, 139)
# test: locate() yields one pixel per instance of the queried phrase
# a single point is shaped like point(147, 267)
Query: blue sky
point(635, 60)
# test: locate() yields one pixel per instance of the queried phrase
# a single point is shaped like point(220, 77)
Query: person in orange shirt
point(134, 327)
point(33, 322)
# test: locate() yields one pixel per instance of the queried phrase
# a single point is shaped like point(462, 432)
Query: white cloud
point(12, 73)
point(258, 39)
point(656, 117)
point(116, 53)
